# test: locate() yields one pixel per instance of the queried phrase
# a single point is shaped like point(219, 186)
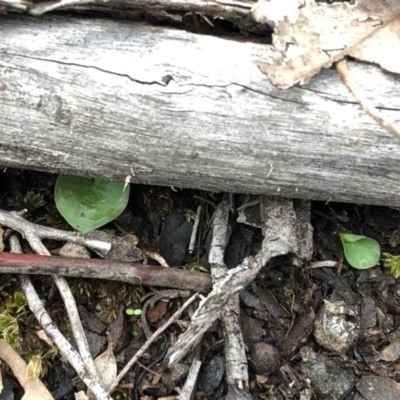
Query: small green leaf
point(361, 252)
point(131, 311)
point(86, 204)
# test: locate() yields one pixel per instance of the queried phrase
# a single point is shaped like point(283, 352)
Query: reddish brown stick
point(138, 274)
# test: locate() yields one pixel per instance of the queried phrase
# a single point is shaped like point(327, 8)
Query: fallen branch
point(235, 353)
point(134, 273)
point(257, 138)
point(235, 11)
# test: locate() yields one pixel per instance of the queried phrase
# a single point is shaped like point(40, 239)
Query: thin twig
point(152, 298)
point(76, 324)
point(19, 224)
point(70, 304)
point(191, 381)
point(194, 230)
point(323, 264)
point(43, 7)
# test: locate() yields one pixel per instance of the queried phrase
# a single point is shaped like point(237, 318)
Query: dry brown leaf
point(310, 35)
point(106, 366)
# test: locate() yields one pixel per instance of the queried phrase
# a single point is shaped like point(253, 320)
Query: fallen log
point(127, 100)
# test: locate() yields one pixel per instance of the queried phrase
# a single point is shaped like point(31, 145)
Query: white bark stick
point(235, 353)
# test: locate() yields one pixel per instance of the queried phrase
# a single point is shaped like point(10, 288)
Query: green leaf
point(361, 252)
point(86, 204)
point(131, 311)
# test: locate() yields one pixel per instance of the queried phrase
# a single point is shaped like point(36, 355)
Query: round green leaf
point(86, 204)
point(361, 252)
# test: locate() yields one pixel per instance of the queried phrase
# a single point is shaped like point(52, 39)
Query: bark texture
point(114, 98)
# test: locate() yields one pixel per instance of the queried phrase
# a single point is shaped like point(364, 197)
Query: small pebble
point(336, 327)
point(328, 384)
point(264, 358)
point(212, 376)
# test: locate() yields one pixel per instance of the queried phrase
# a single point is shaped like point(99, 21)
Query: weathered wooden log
point(235, 11)
point(113, 99)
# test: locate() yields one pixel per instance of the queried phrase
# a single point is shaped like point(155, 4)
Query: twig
point(149, 341)
point(210, 309)
point(30, 232)
point(69, 301)
point(154, 297)
point(76, 324)
point(36, 306)
point(194, 230)
point(280, 238)
point(157, 257)
point(24, 227)
point(323, 264)
point(73, 357)
point(154, 362)
point(105, 269)
point(235, 353)
point(191, 381)
point(235, 3)
point(366, 105)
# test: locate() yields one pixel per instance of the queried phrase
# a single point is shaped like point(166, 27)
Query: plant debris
point(290, 314)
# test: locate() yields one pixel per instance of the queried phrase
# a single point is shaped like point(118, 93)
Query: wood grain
point(104, 98)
